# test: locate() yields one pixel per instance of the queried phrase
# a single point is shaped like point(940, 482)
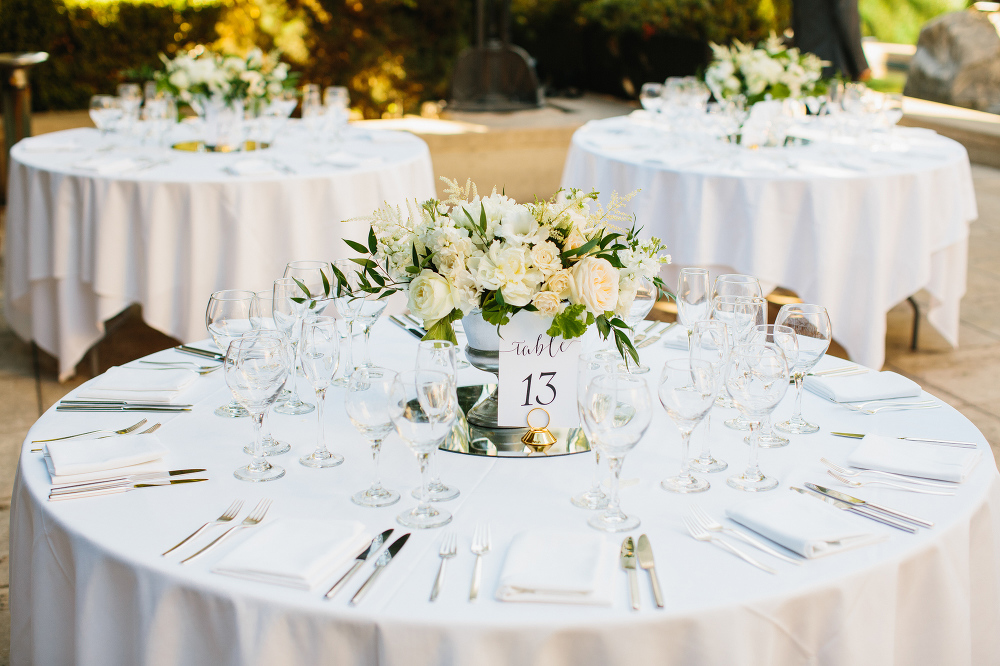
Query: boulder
point(958, 61)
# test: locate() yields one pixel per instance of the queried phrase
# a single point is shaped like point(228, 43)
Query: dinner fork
point(883, 403)
point(173, 364)
point(481, 544)
point(699, 533)
point(123, 431)
point(850, 473)
point(150, 429)
point(858, 484)
point(449, 548)
point(227, 515)
point(207, 370)
point(254, 518)
point(712, 525)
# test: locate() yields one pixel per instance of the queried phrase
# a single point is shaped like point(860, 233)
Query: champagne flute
point(269, 445)
point(348, 298)
point(255, 370)
point(645, 296)
point(319, 352)
point(814, 332)
point(785, 338)
point(423, 409)
point(591, 365)
point(367, 404)
point(757, 380)
point(687, 391)
point(710, 343)
point(227, 318)
point(617, 409)
point(694, 300)
point(288, 314)
point(440, 356)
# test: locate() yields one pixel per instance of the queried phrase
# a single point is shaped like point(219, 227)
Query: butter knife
point(628, 563)
point(118, 489)
point(170, 409)
point(647, 562)
point(847, 506)
point(358, 561)
point(406, 327)
point(383, 561)
point(650, 340)
point(204, 353)
point(118, 403)
point(844, 497)
point(945, 442)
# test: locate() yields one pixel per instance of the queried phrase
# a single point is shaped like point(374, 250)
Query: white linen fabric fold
point(920, 459)
point(856, 388)
point(804, 524)
point(577, 568)
point(295, 552)
point(48, 145)
point(253, 167)
point(344, 159)
point(139, 384)
point(81, 456)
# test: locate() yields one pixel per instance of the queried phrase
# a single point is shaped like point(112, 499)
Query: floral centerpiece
point(200, 73)
point(770, 71)
point(562, 258)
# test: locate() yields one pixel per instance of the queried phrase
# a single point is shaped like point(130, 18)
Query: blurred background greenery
point(396, 54)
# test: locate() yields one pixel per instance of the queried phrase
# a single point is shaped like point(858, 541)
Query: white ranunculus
point(548, 303)
point(561, 283)
point(545, 257)
point(430, 297)
point(518, 225)
point(595, 285)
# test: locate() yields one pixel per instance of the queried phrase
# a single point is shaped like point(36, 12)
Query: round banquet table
point(89, 586)
point(81, 246)
point(858, 228)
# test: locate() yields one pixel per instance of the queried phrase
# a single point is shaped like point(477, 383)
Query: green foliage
point(899, 21)
point(571, 322)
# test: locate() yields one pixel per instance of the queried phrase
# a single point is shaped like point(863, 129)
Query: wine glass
point(106, 113)
point(319, 353)
point(785, 338)
point(735, 284)
point(316, 277)
point(651, 97)
point(227, 318)
point(288, 310)
point(337, 101)
point(694, 300)
point(710, 343)
point(439, 356)
point(130, 95)
point(814, 332)
point(349, 299)
point(892, 108)
point(591, 365)
point(313, 120)
point(262, 321)
point(750, 311)
point(757, 379)
point(368, 312)
point(367, 404)
point(645, 297)
point(687, 391)
point(617, 410)
point(422, 406)
point(255, 370)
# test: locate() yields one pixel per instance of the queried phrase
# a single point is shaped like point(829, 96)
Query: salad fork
point(123, 431)
point(255, 517)
point(199, 370)
point(701, 534)
point(883, 402)
point(227, 516)
point(481, 544)
point(710, 524)
point(151, 429)
point(850, 473)
point(898, 486)
point(449, 548)
point(902, 406)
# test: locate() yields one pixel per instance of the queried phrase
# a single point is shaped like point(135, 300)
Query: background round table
point(82, 246)
point(855, 228)
point(88, 584)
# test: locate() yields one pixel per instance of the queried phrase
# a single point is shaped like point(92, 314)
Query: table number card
point(536, 370)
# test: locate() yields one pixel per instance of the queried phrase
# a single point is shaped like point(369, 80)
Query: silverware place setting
point(252, 520)
point(227, 516)
point(854, 473)
point(701, 534)
point(709, 524)
point(448, 550)
point(942, 442)
point(122, 431)
point(482, 542)
point(380, 564)
point(362, 557)
point(148, 431)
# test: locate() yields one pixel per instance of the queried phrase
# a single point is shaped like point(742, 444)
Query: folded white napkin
point(107, 165)
point(253, 167)
point(344, 159)
point(676, 338)
point(48, 145)
point(139, 384)
point(577, 568)
point(157, 465)
point(296, 552)
point(804, 524)
point(82, 456)
point(870, 386)
point(921, 459)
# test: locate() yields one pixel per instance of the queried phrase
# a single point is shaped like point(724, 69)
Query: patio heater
point(494, 75)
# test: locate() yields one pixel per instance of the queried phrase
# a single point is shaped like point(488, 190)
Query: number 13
point(548, 384)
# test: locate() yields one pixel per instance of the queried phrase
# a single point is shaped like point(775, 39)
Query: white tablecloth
point(853, 229)
point(88, 585)
point(81, 247)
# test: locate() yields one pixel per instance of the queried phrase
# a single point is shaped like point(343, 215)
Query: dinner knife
point(639, 337)
point(170, 409)
point(148, 476)
point(646, 562)
point(847, 506)
point(406, 327)
point(945, 442)
point(416, 324)
point(118, 489)
point(204, 353)
point(358, 561)
point(844, 497)
point(119, 403)
point(650, 340)
point(380, 564)
point(628, 564)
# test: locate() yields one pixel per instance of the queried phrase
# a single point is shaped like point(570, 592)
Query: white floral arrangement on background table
point(769, 71)
point(202, 73)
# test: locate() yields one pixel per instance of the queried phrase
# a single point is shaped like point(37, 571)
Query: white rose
point(595, 284)
point(430, 297)
point(574, 240)
point(561, 283)
point(627, 288)
point(180, 80)
point(545, 257)
point(548, 303)
point(518, 294)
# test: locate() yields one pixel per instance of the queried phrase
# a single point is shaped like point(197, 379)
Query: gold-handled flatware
point(123, 431)
point(639, 337)
point(227, 516)
point(647, 562)
point(123, 480)
point(628, 564)
point(153, 428)
point(654, 338)
point(121, 488)
point(255, 517)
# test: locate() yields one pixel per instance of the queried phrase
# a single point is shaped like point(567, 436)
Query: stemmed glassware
point(617, 410)
point(439, 356)
point(423, 408)
point(367, 404)
point(750, 312)
point(313, 120)
point(349, 301)
point(319, 351)
point(106, 113)
point(130, 95)
point(757, 380)
point(337, 101)
point(785, 339)
point(735, 284)
point(368, 312)
point(262, 321)
point(288, 315)
point(651, 97)
point(814, 332)
point(227, 318)
point(694, 298)
point(255, 370)
point(687, 391)
point(591, 365)
point(645, 297)
point(710, 343)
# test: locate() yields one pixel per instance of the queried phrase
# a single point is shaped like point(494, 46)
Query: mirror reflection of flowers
point(204, 73)
point(770, 71)
point(563, 258)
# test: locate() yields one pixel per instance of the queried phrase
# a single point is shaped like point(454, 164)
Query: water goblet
point(105, 112)
point(735, 284)
point(785, 338)
point(645, 296)
point(814, 332)
point(591, 365)
point(367, 405)
point(751, 311)
point(710, 343)
point(694, 299)
point(757, 379)
point(651, 97)
point(736, 317)
point(130, 95)
point(440, 356)
point(686, 389)
point(227, 317)
point(349, 300)
point(423, 408)
point(288, 309)
point(370, 309)
point(271, 446)
point(617, 410)
point(319, 353)
point(255, 370)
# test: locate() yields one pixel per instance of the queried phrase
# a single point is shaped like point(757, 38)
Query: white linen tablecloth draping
point(854, 230)
point(81, 247)
point(89, 586)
